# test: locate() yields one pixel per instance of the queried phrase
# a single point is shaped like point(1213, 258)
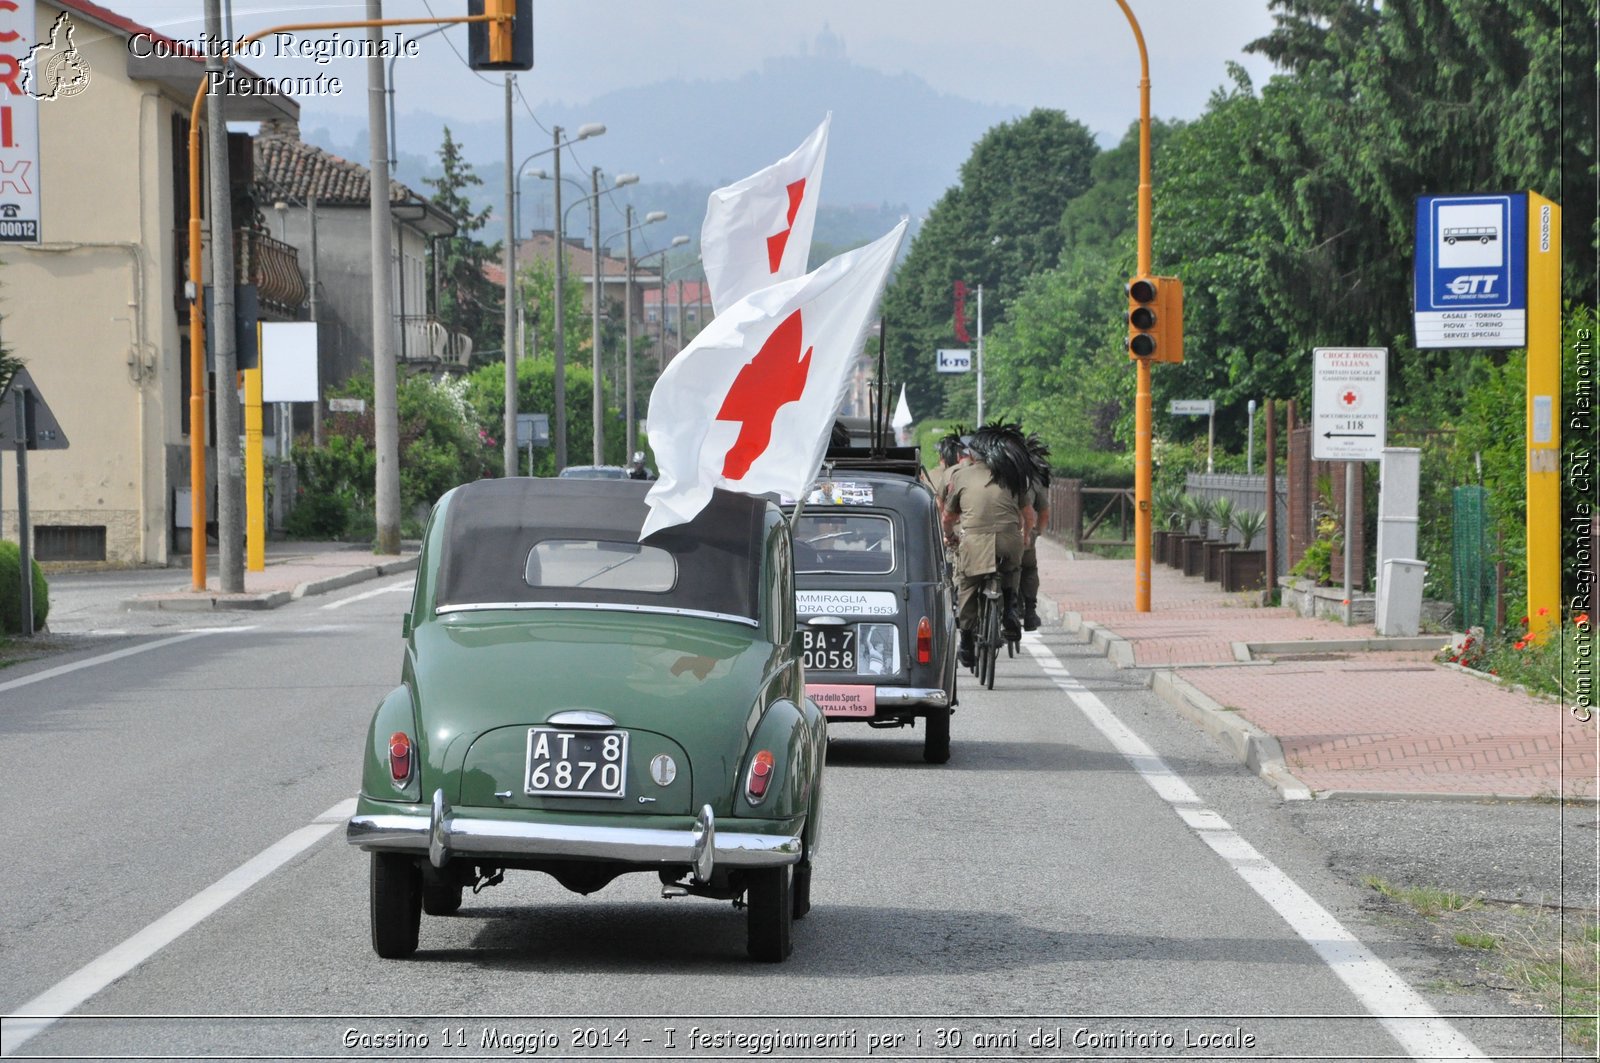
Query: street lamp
point(627, 316)
point(598, 403)
point(591, 129)
point(677, 241)
point(669, 275)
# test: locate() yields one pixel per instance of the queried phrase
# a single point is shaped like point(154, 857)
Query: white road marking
point(342, 602)
point(45, 1009)
point(1410, 1019)
point(90, 662)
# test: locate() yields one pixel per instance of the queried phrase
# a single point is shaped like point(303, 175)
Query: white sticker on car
point(846, 603)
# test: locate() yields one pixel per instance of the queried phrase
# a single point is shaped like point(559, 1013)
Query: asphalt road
point(1087, 874)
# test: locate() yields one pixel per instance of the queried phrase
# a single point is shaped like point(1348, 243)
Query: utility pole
point(386, 426)
point(627, 331)
point(560, 337)
point(513, 297)
point(230, 527)
point(599, 391)
point(317, 409)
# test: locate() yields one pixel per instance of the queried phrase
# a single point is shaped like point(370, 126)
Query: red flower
point(1524, 621)
point(1543, 611)
point(1581, 619)
point(1522, 644)
point(1493, 672)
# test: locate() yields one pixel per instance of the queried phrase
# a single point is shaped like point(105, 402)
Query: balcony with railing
point(425, 339)
point(271, 265)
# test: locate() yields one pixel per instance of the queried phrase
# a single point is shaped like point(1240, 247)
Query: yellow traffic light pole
point(498, 12)
point(1141, 408)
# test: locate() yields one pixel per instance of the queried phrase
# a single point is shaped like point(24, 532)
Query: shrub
point(11, 591)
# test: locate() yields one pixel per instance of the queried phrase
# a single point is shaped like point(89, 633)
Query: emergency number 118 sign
point(1349, 403)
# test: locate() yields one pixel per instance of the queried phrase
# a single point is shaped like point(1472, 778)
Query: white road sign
point(1349, 403)
point(955, 360)
point(1192, 407)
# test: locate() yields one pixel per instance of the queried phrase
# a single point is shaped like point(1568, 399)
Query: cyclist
point(987, 497)
point(1039, 496)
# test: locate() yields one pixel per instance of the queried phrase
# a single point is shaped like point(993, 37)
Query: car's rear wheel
point(801, 889)
point(396, 904)
point(441, 891)
point(936, 740)
point(769, 899)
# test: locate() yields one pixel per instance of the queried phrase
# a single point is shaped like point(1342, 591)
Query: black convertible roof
point(491, 525)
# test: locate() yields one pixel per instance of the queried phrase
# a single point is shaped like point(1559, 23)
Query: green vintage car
point(576, 702)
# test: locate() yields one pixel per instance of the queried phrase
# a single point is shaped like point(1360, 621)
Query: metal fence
point(1247, 492)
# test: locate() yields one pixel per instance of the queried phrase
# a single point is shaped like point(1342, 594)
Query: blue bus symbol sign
point(1471, 272)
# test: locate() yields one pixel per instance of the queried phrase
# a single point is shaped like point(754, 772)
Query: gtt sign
point(1471, 272)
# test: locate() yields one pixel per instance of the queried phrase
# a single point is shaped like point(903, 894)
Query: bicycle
point(991, 632)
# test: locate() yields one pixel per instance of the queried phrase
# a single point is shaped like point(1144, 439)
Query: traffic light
point(1155, 319)
point(500, 45)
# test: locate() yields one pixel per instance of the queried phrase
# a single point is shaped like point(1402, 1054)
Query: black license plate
point(829, 649)
point(577, 763)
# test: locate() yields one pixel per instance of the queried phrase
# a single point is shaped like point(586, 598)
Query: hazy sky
point(1076, 55)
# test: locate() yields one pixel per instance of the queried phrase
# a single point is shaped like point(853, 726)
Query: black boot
point(968, 654)
point(1030, 614)
point(1009, 620)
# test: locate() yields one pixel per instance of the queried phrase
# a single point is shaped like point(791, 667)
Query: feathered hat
point(950, 446)
point(1002, 447)
point(1039, 451)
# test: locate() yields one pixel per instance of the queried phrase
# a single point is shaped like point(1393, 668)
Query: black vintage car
point(878, 630)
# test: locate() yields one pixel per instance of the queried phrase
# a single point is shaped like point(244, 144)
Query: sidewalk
point(293, 570)
point(1316, 708)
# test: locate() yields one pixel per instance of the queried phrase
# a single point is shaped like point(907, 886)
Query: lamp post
point(591, 129)
point(666, 277)
point(677, 241)
point(627, 316)
point(598, 403)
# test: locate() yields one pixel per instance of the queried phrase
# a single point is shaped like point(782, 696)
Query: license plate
point(577, 763)
point(829, 649)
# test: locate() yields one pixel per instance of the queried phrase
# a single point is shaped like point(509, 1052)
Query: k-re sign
point(1349, 402)
point(954, 360)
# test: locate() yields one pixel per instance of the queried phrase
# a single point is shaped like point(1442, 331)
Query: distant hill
point(895, 145)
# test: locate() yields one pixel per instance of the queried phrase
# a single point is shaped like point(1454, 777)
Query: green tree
point(468, 302)
point(997, 227)
point(484, 393)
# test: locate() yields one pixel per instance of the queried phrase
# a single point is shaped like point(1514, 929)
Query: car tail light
point(400, 757)
point(760, 777)
point(924, 641)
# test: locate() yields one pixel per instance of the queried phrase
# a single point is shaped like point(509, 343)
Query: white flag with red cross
point(757, 231)
point(749, 405)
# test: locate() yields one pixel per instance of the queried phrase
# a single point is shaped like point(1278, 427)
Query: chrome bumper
point(443, 835)
point(894, 697)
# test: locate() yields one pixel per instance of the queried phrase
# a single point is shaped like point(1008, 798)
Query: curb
point(1373, 645)
point(1247, 743)
point(1112, 646)
point(200, 603)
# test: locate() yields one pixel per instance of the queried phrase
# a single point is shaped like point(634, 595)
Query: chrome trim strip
point(705, 844)
point(464, 836)
point(606, 607)
point(913, 696)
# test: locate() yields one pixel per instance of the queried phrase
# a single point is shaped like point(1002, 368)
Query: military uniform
point(991, 535)
point(1039, 498)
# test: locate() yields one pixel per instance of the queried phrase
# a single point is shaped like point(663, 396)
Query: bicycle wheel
point(990, 646)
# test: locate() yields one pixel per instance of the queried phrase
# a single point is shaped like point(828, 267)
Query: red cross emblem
point(775, 377)
point(1349, 398)
point(778, 241)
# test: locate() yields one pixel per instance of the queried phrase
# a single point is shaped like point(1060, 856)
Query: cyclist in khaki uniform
point(986, 496)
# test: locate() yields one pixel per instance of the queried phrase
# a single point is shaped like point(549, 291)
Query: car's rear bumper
point(442, 833)
point(898, 697)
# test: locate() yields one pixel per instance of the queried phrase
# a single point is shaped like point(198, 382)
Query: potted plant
point(1222, 514)
point(1245, 568)
point(1194, 550)
point(1189, 519)
point(1166, 517)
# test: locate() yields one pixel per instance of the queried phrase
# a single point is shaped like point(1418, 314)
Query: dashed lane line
point(59, 1000)
point(1409, 1019)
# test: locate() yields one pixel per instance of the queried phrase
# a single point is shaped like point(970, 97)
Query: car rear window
point(601, 565)
point(838, 542)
